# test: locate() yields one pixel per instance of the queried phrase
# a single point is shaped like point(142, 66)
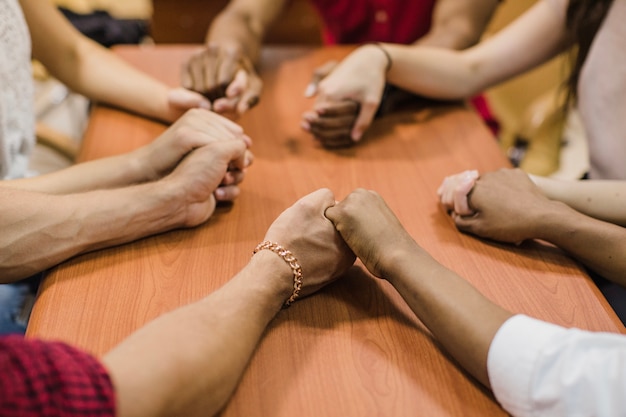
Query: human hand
point(197, 128)
point(202, 178)
point(313, 240)
point(328, 122)
point(360, 77)
point(454, 190)
point(508, 207)
point(331, 123)
point(179, 100)
point(371, 230)
point(225, 76)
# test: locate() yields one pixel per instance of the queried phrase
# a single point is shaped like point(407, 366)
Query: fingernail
point(356, 136)
point(310, 90)
point(219, 193)
point(305, 126)
point(205, 104)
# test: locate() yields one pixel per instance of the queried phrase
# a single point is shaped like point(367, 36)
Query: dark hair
point(584, 18)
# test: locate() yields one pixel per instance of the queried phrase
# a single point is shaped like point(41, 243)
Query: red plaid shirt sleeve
point(51, 379)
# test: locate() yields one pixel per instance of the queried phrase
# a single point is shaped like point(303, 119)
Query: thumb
point(319, 74)
point(364, 119)
point(187, 99)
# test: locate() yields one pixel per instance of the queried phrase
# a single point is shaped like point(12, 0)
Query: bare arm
point(458, 24)
point(92, 70)
point(455, 312)
point(508, 207)
point(243, 23)
point(602, 199)
point(220, 333)
point(531, 40)
point(196, 378)
point(191, 168)
point(442, 73)
point(148, 163)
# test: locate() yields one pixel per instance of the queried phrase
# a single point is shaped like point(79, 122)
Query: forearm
point(240, 29)
point(462, 319)
point(202, 349)
point(458, 25)
point(111, 172)
point(433, 72)
point(100, 75)
point(599, 245)
point(41, 230)
point(601, 199)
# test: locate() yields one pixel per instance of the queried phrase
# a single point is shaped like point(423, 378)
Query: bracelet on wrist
point(384, 51)
point(291, 260)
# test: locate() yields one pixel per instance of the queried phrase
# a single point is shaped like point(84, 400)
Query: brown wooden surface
point(355, 349)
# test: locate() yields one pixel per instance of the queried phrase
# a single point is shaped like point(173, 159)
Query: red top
point(53, 380)
point(361, 21)
point(393, 21)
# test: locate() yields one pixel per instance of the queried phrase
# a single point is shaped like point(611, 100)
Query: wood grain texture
point(355, 349)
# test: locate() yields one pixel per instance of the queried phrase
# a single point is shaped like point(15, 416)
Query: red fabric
point(393, 21)
point(52, 380)
point(360, 21)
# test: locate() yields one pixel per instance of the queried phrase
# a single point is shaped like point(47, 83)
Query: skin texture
point(92, 70)
point(225, 70)
point(507, 206)
point(173, 182)
point(445, 74)
point(340, 123)
point(463, 320)
point(197, 377)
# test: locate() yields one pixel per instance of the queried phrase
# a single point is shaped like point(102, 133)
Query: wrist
point(277, 275)
point(553, 221)
point(375, 54)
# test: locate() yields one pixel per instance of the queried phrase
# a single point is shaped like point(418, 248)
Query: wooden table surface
point(355, 349)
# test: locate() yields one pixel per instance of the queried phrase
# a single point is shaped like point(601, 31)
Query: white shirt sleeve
point(540, 369)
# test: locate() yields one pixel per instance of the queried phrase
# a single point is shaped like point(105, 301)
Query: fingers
point(186, 99)
point(461, 192)
point(364, 119)
point(338, 108)
point(226, 193)
point(318, 75)
point(331, 123)
point(454, 191)
point(318, 201)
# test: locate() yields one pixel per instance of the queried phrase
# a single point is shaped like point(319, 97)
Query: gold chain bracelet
point(291, 261)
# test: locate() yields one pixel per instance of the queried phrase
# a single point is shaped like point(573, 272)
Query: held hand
point(199, 175)
point(225, 76)
point(371, 230)
point(360, 78)
point(179, 100)
point(319, 74)
point(331, 123)
point(507, 207)
point(195, 129)
point(454, 190)
point(303, 230)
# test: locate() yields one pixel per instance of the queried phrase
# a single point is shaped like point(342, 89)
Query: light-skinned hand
point(454, 190)
point(313, 240)
point(360, 78)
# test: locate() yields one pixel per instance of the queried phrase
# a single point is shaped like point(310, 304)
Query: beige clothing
point(17, 124)
point(602, 97)
point(602, 94)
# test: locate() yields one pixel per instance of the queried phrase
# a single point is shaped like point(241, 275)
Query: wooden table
point(355, 349)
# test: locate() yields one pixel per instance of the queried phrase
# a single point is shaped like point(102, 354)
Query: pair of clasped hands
point(338, 118)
